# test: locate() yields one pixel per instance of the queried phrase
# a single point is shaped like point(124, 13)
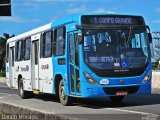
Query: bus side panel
point(7, 75)
point(46, 75)
point(23, 68)
point(60, 70)
point(60, 67)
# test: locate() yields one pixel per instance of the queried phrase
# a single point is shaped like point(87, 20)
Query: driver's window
point(136, 41)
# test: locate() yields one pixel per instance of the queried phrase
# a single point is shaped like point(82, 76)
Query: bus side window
point(59, 41)
point(19, 51)
point(7, 53)
point(26, 48)
point(12, 57)
point(76, 49)
point(47, 44)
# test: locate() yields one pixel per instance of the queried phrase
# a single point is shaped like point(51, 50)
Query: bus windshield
point(116, 48)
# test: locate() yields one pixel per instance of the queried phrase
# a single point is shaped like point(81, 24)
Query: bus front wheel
point(65, 100)
point(116, 99)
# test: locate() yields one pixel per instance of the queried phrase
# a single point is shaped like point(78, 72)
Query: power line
point(156, 38)
point(156, 35)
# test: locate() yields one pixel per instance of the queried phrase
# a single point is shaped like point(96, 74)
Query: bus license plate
point(121, 93)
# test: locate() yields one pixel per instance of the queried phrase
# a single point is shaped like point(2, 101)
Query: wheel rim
point(21, 90)
point(62, 94)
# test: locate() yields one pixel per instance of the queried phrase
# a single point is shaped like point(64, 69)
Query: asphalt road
point(137, 107)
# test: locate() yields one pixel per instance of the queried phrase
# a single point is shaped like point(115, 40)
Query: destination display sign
point(112, 20)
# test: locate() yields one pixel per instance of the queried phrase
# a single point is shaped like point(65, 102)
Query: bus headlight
point(89, 78)
point(147, 77)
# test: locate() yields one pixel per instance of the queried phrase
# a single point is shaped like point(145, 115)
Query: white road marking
point(8, 94)
point(130, 111)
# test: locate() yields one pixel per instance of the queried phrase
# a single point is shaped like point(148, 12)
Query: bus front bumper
point(91, 91)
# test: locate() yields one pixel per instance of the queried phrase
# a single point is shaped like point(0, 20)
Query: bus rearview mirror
point(150, 37)
point(149, 34)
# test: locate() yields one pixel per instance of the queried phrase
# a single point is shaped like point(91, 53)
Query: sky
point(29, 14)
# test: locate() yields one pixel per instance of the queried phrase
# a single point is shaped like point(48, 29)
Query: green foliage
point(3, 74)
point(3, 41)
point(155, 64)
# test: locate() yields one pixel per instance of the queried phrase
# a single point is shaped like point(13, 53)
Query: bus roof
point(42, 28)
point(30, 33)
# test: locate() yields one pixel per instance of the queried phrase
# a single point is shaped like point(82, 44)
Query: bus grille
point(113, 90)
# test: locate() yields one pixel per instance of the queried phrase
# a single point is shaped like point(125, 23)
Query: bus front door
point(11, 66)
point(35, 65)
point(74, 63)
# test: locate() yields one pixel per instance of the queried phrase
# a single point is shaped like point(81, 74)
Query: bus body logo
point(43, 67)
point(25, 69)
point(104, 82)
point(124, 63)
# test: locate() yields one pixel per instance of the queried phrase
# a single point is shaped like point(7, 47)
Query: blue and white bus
point(84, 56)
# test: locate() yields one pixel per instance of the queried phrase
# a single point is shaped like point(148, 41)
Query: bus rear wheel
point(22, 93)
point(65, 100)
point(116, 99)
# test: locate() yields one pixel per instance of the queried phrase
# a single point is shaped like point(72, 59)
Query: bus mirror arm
point(149, 34)
point(148, 28)
point(79, 27)
point(150, 37)
point(150, 41)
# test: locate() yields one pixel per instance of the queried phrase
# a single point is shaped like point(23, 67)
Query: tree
point(3, 41)
point(155, 64)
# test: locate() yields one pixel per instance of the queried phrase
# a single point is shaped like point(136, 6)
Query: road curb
point(10, 109)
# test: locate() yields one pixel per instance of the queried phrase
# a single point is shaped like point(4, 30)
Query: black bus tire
point(65, 100)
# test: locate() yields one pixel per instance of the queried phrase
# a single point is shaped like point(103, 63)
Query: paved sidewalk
point(2, 80)
point(155, 90)
point(156, 79)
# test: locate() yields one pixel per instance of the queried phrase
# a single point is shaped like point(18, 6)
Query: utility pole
point(5, 8)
